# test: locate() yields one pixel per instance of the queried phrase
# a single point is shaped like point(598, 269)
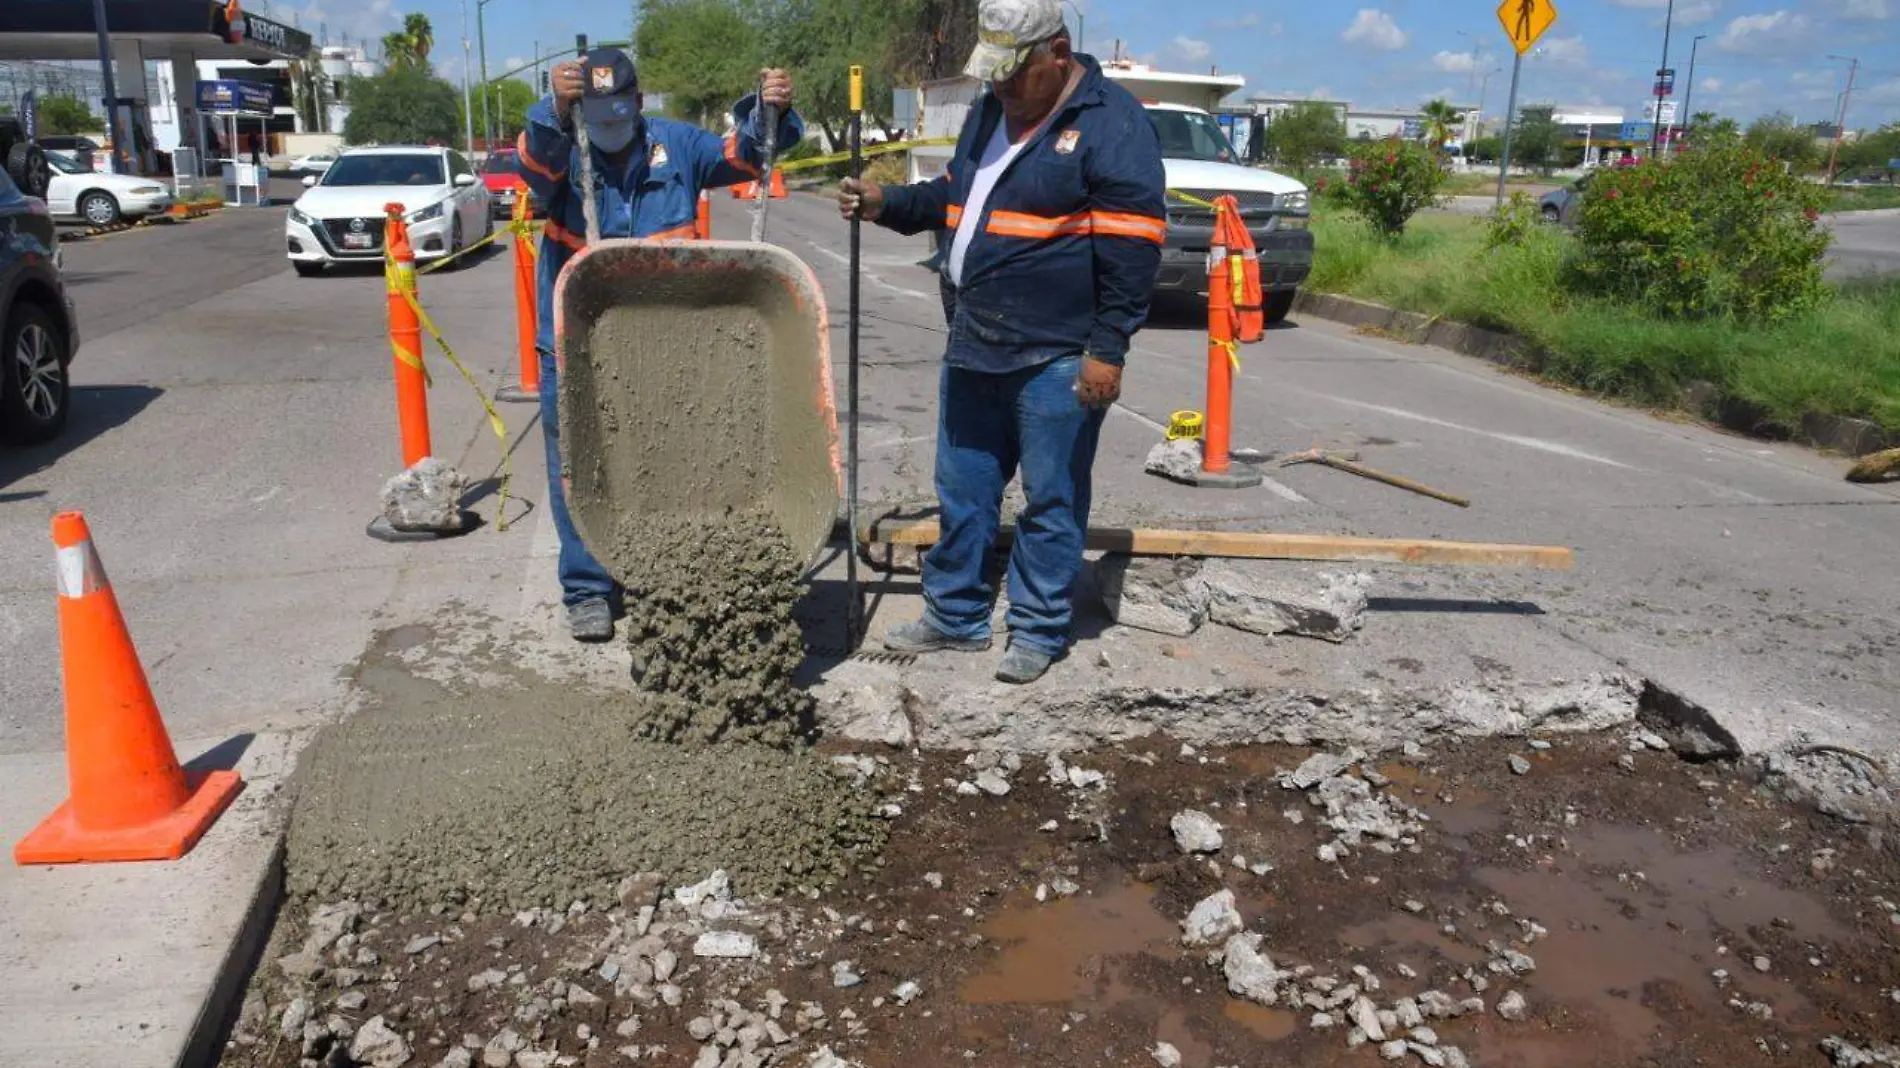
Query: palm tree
point(1440, 120)
point(409, 46)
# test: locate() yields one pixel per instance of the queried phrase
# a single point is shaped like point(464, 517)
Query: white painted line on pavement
point(1278, 489)
point(1554, 447)
point(1140, 418)
point(845, 260)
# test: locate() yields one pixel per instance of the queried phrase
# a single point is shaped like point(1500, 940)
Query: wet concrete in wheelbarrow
point(1646, 911)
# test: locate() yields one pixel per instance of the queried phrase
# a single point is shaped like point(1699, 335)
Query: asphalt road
point(233, 427)
point(1865, 242)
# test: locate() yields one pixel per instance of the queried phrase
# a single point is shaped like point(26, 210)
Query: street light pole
point(119, 154)
point(1655, 127)
point(481, 39)
point(1688, 97)
point(1840, 116)
point(468, 104)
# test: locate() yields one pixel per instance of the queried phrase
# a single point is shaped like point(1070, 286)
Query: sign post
point(1524, 21)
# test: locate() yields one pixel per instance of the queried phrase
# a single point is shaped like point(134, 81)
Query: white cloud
point(1565, 51)
point(1689, 13)
point(1455, 62)
point(1191, 50)
point(1278, 29)
point(1376, 30)
point(1760, 35)
point(1865, 10)
point(1244, 22)
point(1712, 85)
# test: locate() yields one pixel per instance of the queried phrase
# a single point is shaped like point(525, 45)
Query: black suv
point(38, 331)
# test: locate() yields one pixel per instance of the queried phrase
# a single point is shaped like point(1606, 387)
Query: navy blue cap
point(608, 86)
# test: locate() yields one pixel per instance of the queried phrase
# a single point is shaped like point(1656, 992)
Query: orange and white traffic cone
point(525, 311)
point(1233, 316)
point(702, 217)
point(128, 797)
point(405, 339)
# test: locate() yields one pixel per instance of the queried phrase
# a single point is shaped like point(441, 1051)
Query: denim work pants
point(990, 426)
point(582, 577)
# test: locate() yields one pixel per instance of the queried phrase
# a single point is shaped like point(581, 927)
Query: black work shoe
point(921, 637)
point(1023, 664)
point(591, 621)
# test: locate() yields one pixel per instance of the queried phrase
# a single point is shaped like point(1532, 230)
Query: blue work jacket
point(655, 196)
point(1071, 236)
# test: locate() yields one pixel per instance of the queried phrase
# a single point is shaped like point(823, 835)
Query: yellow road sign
point(1524, 21)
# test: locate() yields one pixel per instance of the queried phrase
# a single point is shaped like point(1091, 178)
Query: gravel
point(379, 1046)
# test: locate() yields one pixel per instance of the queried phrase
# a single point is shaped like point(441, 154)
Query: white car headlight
point(147, 190)
point(1294, 201)
point(433, 211)
point(300, 218)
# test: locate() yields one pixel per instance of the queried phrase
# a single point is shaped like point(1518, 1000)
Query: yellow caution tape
point(1191, 200)
point(868, 151)
point(494, 236)
point(1233, 353)
point(406, 286)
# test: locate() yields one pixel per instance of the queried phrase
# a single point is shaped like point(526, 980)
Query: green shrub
point(1718, 231)
point(1513, 223)
point(1388, 182)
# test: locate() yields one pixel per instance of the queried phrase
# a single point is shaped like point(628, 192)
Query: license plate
point(357, 241)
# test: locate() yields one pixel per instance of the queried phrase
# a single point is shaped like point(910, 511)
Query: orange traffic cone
point(702, 218)
point(129, 800)
point(778, 186)
point(745, 191)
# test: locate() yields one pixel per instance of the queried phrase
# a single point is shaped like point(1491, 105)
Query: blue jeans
point(990, 426)
point(582, 577)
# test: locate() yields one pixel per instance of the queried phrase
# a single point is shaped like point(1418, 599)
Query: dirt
point(696, 384)
point(1629, 879)
point(534, 794)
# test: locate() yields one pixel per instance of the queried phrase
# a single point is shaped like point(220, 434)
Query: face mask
point(611, 137)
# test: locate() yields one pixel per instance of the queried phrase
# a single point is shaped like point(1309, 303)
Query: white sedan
point(100, 197)
point(339, 218)
point(315, 163)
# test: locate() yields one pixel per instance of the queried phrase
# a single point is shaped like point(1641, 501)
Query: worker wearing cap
point(648, 174)
point(1053, 219)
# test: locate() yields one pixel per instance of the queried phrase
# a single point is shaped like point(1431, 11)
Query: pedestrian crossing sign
point(1524, 21)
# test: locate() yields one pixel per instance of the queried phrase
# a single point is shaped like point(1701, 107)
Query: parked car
point(102, 198)
point(1559, 206)
point(38, 331)
point(501, 173)
point(316, 163)
point(80, 147)
point(339, 218)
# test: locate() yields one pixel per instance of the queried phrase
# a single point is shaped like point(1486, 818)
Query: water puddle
point(1269, 1024)
point(1065, 951)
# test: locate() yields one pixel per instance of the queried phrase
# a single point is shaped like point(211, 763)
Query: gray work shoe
point(591, 621)
point(1023, 664)
point(921, 637)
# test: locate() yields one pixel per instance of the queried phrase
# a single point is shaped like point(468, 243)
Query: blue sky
point(1758, 55)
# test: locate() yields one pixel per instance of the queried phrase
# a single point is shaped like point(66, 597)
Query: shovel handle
point(1395, 480)
point(768, 114)
point(589, 210)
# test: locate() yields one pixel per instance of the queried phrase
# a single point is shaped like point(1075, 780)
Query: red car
point(502, 175)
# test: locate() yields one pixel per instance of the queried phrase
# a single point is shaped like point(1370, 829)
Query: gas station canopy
point(64, 29)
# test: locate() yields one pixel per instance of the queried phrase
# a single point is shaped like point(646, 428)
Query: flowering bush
point(1387, 182)
point(1720, 230)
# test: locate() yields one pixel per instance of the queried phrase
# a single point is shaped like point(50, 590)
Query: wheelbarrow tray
point(695, 381)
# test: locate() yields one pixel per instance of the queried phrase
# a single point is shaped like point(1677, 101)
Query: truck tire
point(1279, 304)
point(26, 165)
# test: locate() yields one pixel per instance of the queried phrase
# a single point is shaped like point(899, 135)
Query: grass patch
point(1840, 359)
point(1865, 198)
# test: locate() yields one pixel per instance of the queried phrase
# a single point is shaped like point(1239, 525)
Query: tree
point(512, 98)
point(306, 91)
point(934, 39)
point(67, 115)
point(409, 46)
point(1535, 141)
point(703, 54)
point(1485, 149)
point(820, 40)
point(1777, 137)
point(1872, 149)
point(1441, 122)
point(1304, 134)
point(403, 105)
point(1710, 129)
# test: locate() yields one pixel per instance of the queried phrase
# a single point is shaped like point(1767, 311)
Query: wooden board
point(1254, 545)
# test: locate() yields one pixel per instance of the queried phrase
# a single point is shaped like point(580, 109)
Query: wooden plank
point(1257, 545)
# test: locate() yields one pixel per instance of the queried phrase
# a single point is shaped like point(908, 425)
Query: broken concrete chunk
point(1195, 832)
point(1519, 766)
point(1250, 973)
point(1212, 920)
point(1318, 768)
point(296, 1014)
point(1392, 1050)
point(426, 497)
point(1178, 460)
point(908, 991)
point(726, 944)
point(715, 887)
point(1167, 596)
point(1366, 1015)
point(879, 714)
point(992, 783)
point(1263, 597)
point(1166, 1055)
point(1511, 1006)
point(377, 1045)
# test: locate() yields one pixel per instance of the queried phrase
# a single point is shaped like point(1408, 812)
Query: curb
point(1836, 433)
point(204, 1043)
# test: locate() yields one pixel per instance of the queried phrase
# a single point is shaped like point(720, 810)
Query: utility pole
point(468, 105)
point(1688, 97)
point(1510, 116)
point(119, 156)
point(1655, 128)
point(1840, 116)
point(481, 42)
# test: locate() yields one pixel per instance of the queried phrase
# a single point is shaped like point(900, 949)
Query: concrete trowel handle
point(590, 212)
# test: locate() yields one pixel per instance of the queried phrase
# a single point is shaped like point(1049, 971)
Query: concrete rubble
point(1167, 596)
point(426, 498)
point(1178, 460)
point(1275, 597)
point(1212, 920)
point(1195, 832)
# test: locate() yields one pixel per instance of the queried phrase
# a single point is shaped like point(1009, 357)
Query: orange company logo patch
point(603, 79)
point(1067, 142)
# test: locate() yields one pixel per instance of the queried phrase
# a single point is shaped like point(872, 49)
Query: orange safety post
point(778, 185)
point(702, 217)
point(1234, 315)
point(525, 319)
point(405, 338)
point(128, 797)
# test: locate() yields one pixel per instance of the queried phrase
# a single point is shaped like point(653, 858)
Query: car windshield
point(63, 163)
point(412, 169)
point(1191, 135)
point(504, 164)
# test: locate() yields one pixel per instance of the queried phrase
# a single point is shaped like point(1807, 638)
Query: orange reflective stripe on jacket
point(688, 232)
point(953, 216)
point(1098, 223)
point(733, 157)
point(535, 165)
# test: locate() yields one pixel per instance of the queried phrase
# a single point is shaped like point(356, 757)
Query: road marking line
point(1278, 489)
point(1553, 447)
point(845, 260)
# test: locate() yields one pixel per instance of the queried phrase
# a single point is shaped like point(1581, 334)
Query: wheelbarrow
point(695, 382)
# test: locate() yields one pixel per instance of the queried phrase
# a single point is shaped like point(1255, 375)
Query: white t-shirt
point(990, 165)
